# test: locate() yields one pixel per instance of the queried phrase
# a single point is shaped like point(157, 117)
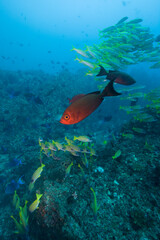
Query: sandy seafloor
point(127, 190)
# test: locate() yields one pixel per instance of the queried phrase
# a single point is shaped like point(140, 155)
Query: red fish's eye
point(66, 117)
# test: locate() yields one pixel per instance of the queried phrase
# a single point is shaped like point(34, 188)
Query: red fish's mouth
point(64, 122)
point(61, 121)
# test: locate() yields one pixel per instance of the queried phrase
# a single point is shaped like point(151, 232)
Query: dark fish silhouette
point(118, 77)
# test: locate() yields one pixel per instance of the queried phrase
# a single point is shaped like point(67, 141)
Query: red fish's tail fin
point(109, 90)
point(102, 72)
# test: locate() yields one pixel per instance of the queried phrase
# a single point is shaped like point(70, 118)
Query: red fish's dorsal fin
point(102, 72)
point(76, 97)
point(97, 92)
point(109, 90)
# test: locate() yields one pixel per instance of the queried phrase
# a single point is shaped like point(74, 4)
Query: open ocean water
point(79, 120)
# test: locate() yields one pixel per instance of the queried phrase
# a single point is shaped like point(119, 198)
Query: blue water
point(57, 26)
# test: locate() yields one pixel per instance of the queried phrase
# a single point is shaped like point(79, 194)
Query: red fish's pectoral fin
point(102, 72)
point(109, 90)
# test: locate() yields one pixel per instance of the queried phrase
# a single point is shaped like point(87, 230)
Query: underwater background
point(99, 176)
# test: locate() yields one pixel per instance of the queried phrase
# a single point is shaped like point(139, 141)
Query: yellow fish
point(75, 148)
point(18, 203)
point(68, 169)
point(15, 198)
point(139, 130)
point(82, 171)
point(20, 227)
point(51, 146)
point(37, 173)
point(128, 135)
point(92, 152)
point(58, 145)
point(68, 148)
point(35, 204)
point(85, 62)
point(117, 154)
point(81, 52)
point(82, 139)
point(68, 141)
point(31, 186)
point(74, 154)
point(23, 218)
point(25, 209)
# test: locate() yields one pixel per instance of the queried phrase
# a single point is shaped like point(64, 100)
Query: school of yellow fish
point(125, 43)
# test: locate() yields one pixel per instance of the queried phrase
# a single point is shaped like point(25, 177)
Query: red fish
point(118, 77)
point(75, 98)
point(85, 105)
